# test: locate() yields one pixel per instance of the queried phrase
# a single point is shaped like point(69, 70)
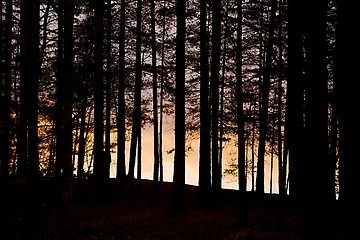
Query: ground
point(130, 215)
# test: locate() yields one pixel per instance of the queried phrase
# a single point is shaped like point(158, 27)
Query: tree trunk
point(205, 140)
point(155, 104)
point(99, 160)
point(215, 67)
point(294, 123)
point(136, 127)
point(316, 198)
point(161, 161)
point(120, 164)
point(67, 185)
point(179, 161)
point(346, 97)
point(263, 118)
point(243, 210)
point(107, 153)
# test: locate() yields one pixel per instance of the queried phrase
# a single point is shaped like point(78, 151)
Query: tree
point(136, 115)
point(346, 98)
point(179, 161)
point(107, 153)
point(214, 85)
point(155, 103)
point(99, 160)
point(240, 118)
point(294, 123)
point(29, 82)
point(316, 199)
point(263, 118)
point(68, 100)
point(205, 141)
point(120, 164)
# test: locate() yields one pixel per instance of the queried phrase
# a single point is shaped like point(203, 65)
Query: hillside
point(130, 215)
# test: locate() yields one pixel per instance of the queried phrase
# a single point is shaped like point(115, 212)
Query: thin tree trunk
point(265, 102)
point(242, 163)
point(120, 164)
point(107, 154)
point(136, 127)
point(222, 90)
point(205, 140)
point(155, 104)
point(99, 161)
point(82, 143)
point(161, 160)
point(179, 161)
point(215, 67)
point(60, 92)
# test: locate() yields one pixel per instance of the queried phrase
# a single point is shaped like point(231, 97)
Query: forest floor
point(130, 215)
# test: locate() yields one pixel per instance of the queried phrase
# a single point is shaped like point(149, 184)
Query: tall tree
point(263, 118)
point(161, 161)
point(205, 141)
point(155, 102)
point(316, 198)
point(346, 97)
point(179, 161)
point(136, 117)
point(107, 154)
point(68, 100)
point(99, 161)
point(294, 123)
point(240, 117)
point(215, 67)
point(281, 161)
point(29, 82)
point(120, 165)
point(60, 92)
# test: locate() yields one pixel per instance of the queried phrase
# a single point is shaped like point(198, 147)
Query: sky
point(192, 161)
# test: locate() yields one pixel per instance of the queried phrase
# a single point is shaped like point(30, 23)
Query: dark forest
point(274, 79)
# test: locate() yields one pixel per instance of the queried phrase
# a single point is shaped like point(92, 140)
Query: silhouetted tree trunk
point(22, 136)
point(316, 198)
point(82, 141)
point(243, 211)
point(107, 153)
point(120, 164)
point(178, 200)
point(99, 160)
point(59, 93)
point(294, 123)
point(30, 69)
point(136, 127)
point(139, 166)
point(205, 140)
point(346, 95)
point(263, 118)
point(215, 67)
point(155, 103)
point(222, 91)
point(281, 170)
point(67, 185)
point(162, 96)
